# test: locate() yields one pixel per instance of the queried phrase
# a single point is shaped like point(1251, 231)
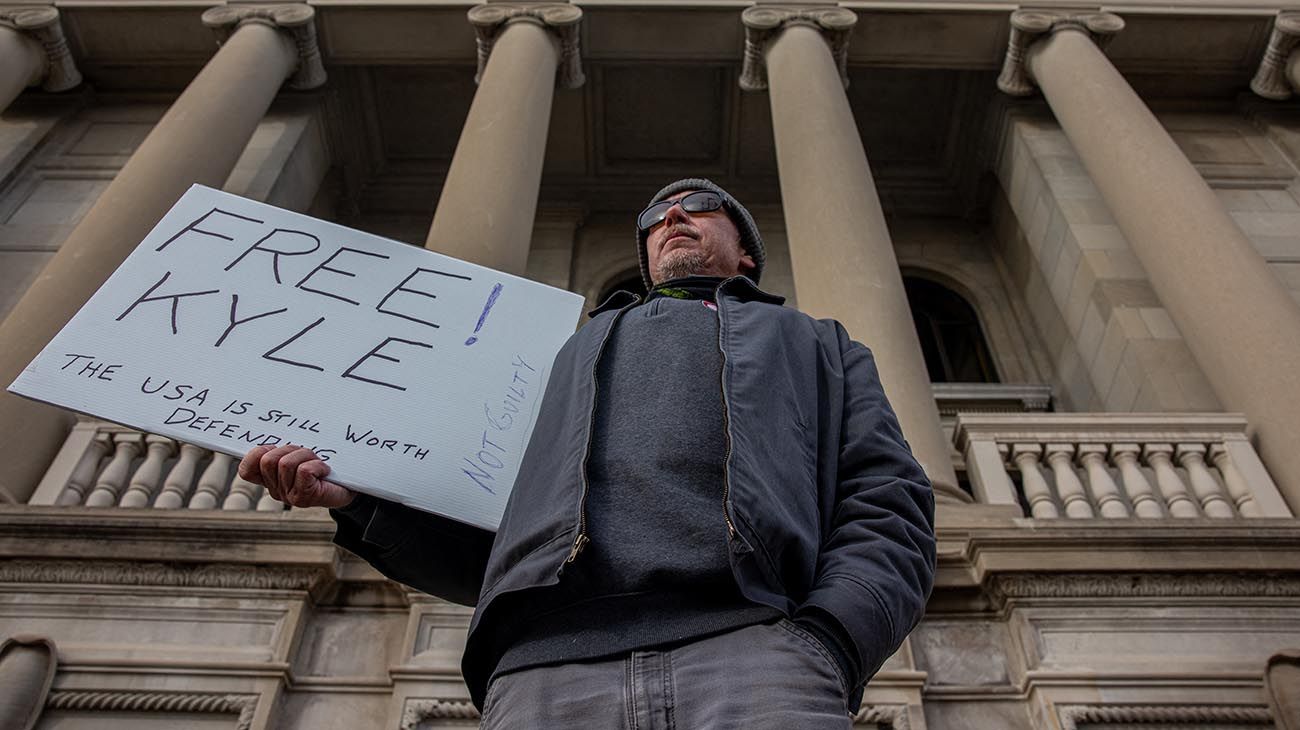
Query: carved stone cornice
point(763, 23)
point(296, 19)
point(186, 575)
point(1148, 585)
point(1028, 26)
point(1072, 716)
point(889, 717)
point(245, 706)
point(42, 25)
point(417, 711)
point(1270, 80)
point(561, 19)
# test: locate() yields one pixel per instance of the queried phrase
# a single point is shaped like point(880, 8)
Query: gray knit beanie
point(750, 241)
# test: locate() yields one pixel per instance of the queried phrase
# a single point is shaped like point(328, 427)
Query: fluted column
point(840, 250)
point(1278, 75)
point(1238, 320)
point(198, 140)
point(33, 50)
point(485, 213)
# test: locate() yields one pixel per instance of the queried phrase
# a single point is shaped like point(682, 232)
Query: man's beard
point(680, 263)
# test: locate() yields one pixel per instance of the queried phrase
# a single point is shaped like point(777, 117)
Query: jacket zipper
point(726, 420)
point(581, 540)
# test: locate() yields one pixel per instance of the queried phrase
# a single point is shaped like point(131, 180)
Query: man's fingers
point(249, 467)
point(311, 490)
point(289, 464)
point(269, 465)
point(294, 475)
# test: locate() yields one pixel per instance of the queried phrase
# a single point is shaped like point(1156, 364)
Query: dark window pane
point(951, 339)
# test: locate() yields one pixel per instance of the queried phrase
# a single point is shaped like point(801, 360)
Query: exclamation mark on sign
point(492, 299)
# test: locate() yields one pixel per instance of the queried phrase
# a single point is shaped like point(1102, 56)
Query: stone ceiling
point(662, 97)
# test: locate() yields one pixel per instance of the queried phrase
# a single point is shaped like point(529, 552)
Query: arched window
point(951, 338)
point(629, 281)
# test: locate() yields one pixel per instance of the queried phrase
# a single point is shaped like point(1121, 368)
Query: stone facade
point(1117, 540)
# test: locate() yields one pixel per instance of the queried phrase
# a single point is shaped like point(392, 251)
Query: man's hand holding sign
point(294, 475)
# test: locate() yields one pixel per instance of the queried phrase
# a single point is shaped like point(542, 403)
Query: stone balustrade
point(104, 465)
point(1118, 465)
point(1053, 465)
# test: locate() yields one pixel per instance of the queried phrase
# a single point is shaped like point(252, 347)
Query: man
point(717, 522)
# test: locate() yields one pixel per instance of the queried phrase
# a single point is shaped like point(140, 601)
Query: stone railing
point(1117, 465)
point(103, 465)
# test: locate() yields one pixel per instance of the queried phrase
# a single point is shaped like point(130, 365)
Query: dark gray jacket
point(824, 504)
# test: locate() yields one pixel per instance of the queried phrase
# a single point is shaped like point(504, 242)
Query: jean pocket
point(810, 641)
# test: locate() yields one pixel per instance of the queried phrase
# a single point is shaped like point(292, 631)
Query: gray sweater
point(656, 571)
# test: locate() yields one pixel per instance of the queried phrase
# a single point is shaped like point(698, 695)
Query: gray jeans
point(774, 676)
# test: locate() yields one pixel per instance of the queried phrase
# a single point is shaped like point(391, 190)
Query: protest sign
point(236, 324)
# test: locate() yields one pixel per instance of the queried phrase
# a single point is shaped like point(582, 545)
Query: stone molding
point(1028, 26)
point(891, 717)
point(416, 711)
point(764, 23)
point(1072, 716)
point(143, 701)
point(1150, 585)
point(1097, 427)
point(198, 575)
point(42, 24)
point(954, 398)
point(297, 19)
point(28, 663)
point(1270, 79)
point(561, 19)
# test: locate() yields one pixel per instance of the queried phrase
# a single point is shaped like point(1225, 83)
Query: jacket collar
point(739, 287)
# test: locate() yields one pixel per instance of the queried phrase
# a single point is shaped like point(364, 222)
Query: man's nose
point(676, 214)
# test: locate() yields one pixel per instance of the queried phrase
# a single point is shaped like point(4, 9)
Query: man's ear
point(746, 264)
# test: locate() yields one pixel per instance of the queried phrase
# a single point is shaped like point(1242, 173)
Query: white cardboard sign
point(236, 324)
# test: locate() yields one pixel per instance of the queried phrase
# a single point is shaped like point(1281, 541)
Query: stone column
point(489, 198)
point(1239, 322)
point(198, 140)
point(840, 250)
point(33, 50)
point(1279, 71)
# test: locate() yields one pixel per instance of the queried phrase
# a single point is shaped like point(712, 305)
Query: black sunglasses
point(702, 201)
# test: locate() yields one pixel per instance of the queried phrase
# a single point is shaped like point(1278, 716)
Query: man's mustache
point(681, 230)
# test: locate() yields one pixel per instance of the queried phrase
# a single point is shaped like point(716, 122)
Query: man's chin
point(681, 263)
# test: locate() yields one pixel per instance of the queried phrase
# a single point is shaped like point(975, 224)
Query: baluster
point(180, 480)
point(213, 482)
point(1192, 458)
point(243, 495)
point(1171, 487)
point(1035, 486)
point(1145, 504)
point(1100, 482)
point(113, 479)
point(1241, 493)
point(84, 474)
point(1068, 486)
point(270, 504)
point(149, 474)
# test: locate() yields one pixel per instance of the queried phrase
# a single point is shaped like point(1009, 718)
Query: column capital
point(1028, 26)
point(1270, 80)
point(41, 23)
point(561, 19)
point(764, 22)
point(297, 19)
